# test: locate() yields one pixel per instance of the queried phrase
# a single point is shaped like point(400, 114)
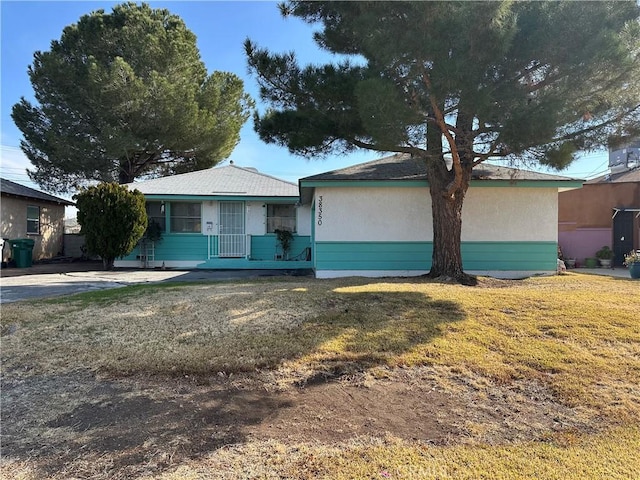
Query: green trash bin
point(22, 249)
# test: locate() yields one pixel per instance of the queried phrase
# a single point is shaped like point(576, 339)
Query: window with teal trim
point(186, 217)
point(156, 214)
point(281, 217)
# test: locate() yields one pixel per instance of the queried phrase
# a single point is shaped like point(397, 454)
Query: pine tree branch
point(592, 128)
point(387, 148)
point(455, 155)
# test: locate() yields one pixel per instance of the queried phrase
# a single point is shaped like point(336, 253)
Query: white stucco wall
point(256, 218)
point(209, 217)
point(373, 214)
point(404, 214)
point(303, 220)
point(510, 214)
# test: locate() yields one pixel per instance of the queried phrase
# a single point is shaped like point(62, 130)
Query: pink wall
point(584, 242)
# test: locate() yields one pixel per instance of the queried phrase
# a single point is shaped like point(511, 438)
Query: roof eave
point(563, 184)
point(61, 201)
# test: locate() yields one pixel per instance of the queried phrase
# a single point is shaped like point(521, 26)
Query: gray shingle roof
point(628, 176)
point(404, 167)
point(229, 180)
point(15, 189)
point(395, 167)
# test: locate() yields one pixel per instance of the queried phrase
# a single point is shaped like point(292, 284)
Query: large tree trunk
point(125, 176)
point(447, 223)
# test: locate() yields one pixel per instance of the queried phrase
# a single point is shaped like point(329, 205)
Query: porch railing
point(229, 246)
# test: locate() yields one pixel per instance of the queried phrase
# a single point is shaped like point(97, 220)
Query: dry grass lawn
point(575, 337)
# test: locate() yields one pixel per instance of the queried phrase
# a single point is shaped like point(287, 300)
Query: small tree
point(285, 237)
point(113, 220)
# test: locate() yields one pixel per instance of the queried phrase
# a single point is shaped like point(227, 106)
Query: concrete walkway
point(619, 272)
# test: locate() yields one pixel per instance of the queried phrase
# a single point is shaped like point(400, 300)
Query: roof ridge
point(218, 167)
point(173, 176)
point(248, 169)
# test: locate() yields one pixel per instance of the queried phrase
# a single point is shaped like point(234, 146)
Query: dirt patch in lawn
point(77, 425)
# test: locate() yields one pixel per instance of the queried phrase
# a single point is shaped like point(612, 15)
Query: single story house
point(606, 211)
point(29, 213)
point(374, 219)
point(223, 218)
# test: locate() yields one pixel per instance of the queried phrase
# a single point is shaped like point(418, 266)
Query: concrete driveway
point(53, 280)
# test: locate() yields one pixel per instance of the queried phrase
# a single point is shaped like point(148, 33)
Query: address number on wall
point(320, 210)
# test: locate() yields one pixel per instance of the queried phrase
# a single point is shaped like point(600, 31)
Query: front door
point(231, 239)
point(622, 236)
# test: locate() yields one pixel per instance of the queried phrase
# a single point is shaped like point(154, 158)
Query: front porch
point(220, 252)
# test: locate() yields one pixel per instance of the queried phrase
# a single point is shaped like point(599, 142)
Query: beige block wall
point(49, 242)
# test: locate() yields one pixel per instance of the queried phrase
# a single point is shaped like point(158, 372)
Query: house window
point(33, 220)
point(155, 213)
point(281, 217)
point(186, 217)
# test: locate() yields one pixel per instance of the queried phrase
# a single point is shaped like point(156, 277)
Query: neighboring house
point(29, 213)
point(374, 219)
point(223, 217)
point(605, 211)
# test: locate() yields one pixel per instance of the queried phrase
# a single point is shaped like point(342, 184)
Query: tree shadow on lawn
point(362, 329)
point(122, 428)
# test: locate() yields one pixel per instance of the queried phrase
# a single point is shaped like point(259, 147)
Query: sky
point(221, 28)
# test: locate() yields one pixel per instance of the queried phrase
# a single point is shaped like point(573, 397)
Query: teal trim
point(244, 264)
point(424, 183)
point(233, 198)
point(215, 240)
point(506, 256)
point(193, 247)
point(177, 246)
point(265, 247)
point(373, 255)
point(509, 255)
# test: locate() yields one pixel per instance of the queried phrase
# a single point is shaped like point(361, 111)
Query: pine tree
point(126, 95)
point(462, 82)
